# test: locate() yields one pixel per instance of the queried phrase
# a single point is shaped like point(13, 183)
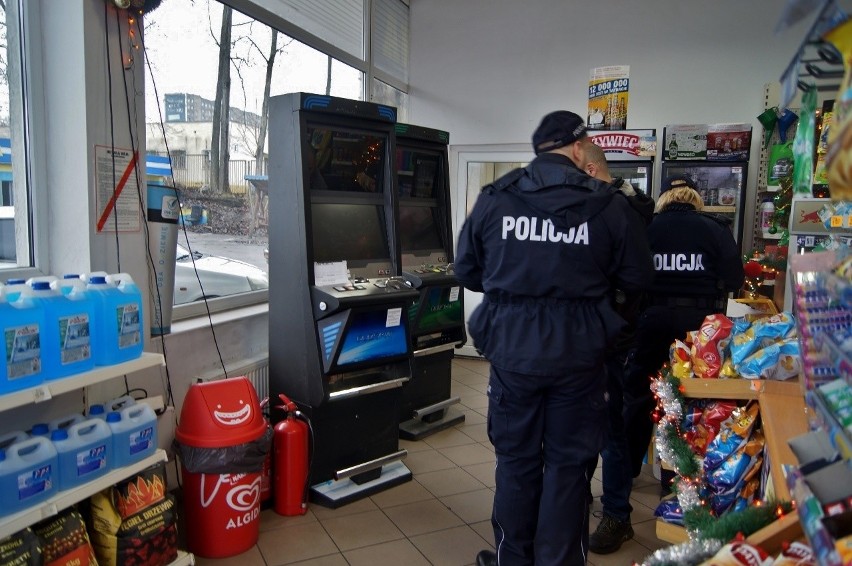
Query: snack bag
point(780, 163)
point(733, 470)
point(680, 360)
point(795, 554)
point(777, 361)
point(702, 433)
point(709, 345)
point(669, 511)
point(839, 156)
point(739, 553)
point(733, 432)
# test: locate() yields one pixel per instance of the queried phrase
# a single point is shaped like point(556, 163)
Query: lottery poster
point(608, 92)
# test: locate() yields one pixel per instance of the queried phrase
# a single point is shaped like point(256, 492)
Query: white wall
point(488, 70)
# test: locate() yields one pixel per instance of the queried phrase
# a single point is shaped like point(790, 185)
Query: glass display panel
point(636, 175)
point(341, 160)
point(369, 338)
point(417, 173)
point(348, 232)
point(439, 311)
point(418, 230)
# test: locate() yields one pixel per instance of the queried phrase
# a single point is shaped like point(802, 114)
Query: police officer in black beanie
point(697, 263)
point(547, 245)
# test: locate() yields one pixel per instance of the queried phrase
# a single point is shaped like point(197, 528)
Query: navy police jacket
point(547, 245)
point(695, 254)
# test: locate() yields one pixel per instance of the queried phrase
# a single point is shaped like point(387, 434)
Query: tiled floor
point(441, 517)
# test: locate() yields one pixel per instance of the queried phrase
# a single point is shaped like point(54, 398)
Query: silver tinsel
point(688, 553)
point(687, 495)
point(672, 407)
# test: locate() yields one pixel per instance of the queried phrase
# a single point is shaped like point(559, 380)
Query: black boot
point(610, 535)
point(486, 558)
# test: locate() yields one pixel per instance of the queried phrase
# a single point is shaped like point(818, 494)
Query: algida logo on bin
point(242, 497)
point(233, 418)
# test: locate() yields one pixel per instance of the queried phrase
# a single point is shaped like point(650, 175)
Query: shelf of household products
point(50, 389)
point(64, 499)
point(821, 479)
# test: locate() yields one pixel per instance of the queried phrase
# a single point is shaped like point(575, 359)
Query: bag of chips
point(795, 554)
point(709, 345)
point(701, 433)
point(733, 433)
point(739, 553)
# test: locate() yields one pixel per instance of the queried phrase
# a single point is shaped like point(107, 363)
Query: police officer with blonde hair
point(546, 244)
point(697, 263)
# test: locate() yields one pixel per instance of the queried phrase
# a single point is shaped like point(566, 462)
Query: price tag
point(836, 221)
point(454, 294)
point(849, 221)
point(41, 393)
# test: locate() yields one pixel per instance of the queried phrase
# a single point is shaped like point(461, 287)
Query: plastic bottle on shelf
point(97, 411)
point(28, 473)
point(13, 288)
point(134, 433)
point(130, 332)
point(21, 326)
point(40, 429)
point(119, 403)
point(66, 340)
point(767, 213)
point(66, 421)
point(84, 451)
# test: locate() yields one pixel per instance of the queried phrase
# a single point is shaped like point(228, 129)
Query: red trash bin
point(220, 438)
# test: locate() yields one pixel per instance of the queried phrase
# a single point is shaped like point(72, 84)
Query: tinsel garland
point(684, 554)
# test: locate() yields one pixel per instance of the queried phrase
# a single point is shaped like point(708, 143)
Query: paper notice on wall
point(393, 318)
point(608, 93)
point(116, 190)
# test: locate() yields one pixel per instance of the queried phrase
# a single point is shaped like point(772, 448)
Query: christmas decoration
point(690, 552)
point(750, 520)
point(753, 278)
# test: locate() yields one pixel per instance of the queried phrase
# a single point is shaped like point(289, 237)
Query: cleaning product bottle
point(21, 325)
point(84, 451)
point(13, 288)
point(97, 411)
point(130, 331)
point(75, 312)
point(40, 293)
point(28, 473)
point(134, 433)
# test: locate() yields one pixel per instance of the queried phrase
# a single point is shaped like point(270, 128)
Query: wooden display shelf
point(719, 208)
point(783, 414)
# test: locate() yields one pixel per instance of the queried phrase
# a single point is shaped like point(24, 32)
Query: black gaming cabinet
point(437, 318)
point(339, 334)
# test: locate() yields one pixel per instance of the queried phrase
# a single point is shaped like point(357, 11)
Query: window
point(223, 191)
point(15, 227)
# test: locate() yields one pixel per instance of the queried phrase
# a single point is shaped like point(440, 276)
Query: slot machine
point(437, 317)
point(339, 342)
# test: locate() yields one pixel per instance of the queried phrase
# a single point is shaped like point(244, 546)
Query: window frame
point(28, 132)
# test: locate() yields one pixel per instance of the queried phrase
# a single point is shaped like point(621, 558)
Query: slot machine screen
point(438, 311)
point(418, 229)
point(343, 160)
point(372, 336)
point(348, 232)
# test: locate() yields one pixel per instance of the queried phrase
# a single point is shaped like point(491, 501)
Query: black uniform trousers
point(658, 327)
point(545, 431)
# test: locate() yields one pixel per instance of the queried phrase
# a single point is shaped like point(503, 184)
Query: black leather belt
point(686, 302)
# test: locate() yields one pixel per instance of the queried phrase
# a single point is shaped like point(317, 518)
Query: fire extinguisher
point(290, 468)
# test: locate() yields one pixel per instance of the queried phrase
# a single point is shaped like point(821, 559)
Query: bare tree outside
point(220, 146)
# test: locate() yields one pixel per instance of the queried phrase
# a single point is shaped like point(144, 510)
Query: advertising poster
point(685, 141)
point(608, 92)
point(728, 142)
point(626, 145)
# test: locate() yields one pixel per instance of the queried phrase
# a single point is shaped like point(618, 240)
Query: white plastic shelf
point(64, 499)
point(50, 389)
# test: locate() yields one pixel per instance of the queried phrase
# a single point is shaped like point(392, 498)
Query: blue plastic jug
point(10, 438)
point(97, 411)
point(21, 327)
point(134, 433)
point(66, 421)
point(73, 309)
point(84, 452)
point(118, 323)
point(13, 288)
point(40, 429)
point(27, 473)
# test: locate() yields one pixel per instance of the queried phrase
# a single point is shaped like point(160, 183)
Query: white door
point(472, 167)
